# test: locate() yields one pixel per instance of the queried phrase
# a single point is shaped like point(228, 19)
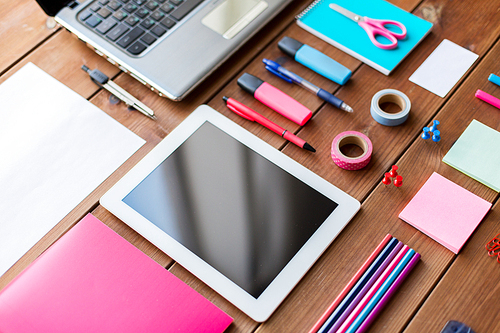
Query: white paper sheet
point(55, 149)
point(443, 68)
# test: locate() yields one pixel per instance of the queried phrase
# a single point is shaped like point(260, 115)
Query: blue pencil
point(378, 295)
point(357, 287)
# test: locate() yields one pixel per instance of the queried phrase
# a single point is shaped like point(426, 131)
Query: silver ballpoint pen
point(103, 81)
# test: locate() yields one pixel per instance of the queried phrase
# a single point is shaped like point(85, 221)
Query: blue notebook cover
point(345, 34)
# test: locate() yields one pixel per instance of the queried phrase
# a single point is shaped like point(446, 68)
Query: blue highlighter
point(315, 60)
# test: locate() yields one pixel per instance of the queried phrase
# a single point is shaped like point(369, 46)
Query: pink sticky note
point(445, 211)
point(93, 280)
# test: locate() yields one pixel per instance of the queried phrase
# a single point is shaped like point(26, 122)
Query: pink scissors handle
point(375, 27)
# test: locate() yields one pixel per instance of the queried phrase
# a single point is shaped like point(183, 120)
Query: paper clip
point(493, 243)
point(493, 247)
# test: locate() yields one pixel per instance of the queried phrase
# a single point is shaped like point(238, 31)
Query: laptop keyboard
point(135, 25)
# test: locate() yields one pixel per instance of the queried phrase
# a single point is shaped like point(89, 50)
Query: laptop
point(168, 45)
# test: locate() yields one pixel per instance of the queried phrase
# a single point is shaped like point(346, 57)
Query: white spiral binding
point(305, 11)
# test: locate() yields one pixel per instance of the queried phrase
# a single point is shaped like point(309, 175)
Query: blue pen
point(290, 77)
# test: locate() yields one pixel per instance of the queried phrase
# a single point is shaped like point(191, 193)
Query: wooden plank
point(62, 56)
point(22, 28)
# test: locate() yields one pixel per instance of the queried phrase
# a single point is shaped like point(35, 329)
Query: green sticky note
point(477, 154)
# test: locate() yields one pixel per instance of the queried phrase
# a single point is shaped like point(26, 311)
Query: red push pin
point(393, 173)
point(398, 182)
point(387, 179)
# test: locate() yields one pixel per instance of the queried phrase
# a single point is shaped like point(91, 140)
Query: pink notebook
point(93, 280)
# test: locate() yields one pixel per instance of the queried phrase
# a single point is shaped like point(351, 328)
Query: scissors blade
point(345, 12)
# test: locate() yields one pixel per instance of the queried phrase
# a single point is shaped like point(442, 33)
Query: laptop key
point(157, 16)
point(85, 14)
point(184, 9)
point(103, 2)
point(168, 22)
point(130, 37)
point(114, 5)
point(130, 8)
point(167, 7)
point(148, 39)
point(176, 2)
point(152, 5)
point(93, 21)
point(120, 15)
point(158, 31)
point(148, 23)
point(117, 32)
point(95, 7)
point(140, 2)
point(106, 26)
point(104, 12)
point(136, 48)
point(142, 13)
point(132, 20)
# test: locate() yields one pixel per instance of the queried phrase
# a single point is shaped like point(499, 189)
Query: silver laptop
point(169, 45)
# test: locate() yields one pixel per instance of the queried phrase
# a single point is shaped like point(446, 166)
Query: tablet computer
point(240, 215)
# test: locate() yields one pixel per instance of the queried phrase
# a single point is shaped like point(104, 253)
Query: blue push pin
point(434, 126)
point(426, 135)
point(436, 136)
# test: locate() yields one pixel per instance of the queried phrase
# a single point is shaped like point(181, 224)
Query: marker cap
point(289, 46)
point(249, 83)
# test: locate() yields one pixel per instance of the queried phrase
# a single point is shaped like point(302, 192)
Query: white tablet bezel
point(261, 308)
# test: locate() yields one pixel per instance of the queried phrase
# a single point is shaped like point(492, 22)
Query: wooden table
point(443, 286)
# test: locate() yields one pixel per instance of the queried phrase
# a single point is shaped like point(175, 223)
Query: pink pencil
point(351, 283)
point(488, 98)
point(361, 305)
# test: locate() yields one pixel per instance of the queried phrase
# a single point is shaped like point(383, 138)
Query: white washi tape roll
point(358, 139)
point(390, 96)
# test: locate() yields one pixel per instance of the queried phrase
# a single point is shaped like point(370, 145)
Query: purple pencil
point(367, 287)
point(387, 296)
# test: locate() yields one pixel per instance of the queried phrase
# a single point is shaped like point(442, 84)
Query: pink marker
point(488, 98)
point(275, 99)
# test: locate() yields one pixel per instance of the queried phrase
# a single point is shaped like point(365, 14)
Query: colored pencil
point(361, 305)
point(351, 283)
point(357, 287)
point(388, 295)
point(378, 295)
point(365, 289)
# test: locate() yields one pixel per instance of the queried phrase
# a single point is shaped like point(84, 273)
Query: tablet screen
point(233, 208)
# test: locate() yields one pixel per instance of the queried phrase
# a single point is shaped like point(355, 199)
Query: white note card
point(55, 149)
point(443, 68)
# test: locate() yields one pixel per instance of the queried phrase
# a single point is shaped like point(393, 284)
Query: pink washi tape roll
point(355, 138)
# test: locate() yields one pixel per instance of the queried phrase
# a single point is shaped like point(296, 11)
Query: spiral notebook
point(345, 34)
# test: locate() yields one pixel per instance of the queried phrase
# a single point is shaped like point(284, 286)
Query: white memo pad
point(443, 68)
point(56, 148)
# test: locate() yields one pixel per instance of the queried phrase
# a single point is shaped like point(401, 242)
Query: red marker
point(247, 113)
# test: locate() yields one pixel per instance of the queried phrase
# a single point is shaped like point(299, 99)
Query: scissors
point(375, 27)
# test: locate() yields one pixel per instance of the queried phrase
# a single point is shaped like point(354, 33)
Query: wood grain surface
point(443, 286)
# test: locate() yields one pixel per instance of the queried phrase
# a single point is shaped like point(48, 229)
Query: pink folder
point(93, 280)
